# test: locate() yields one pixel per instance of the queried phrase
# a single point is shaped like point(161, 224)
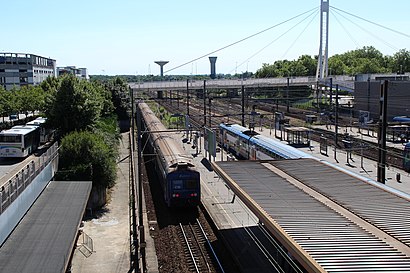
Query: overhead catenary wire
point(241, 40)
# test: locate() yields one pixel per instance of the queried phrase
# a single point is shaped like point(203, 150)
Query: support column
point(322, 64)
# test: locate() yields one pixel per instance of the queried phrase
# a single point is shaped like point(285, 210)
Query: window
point(191, 184)
point(10, 139)
point(177, 184)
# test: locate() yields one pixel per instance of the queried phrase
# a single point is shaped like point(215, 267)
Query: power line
point(241, 40)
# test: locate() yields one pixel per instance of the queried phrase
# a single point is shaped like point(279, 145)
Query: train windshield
point(177, 184)
point(184, 184)
point(191, 184)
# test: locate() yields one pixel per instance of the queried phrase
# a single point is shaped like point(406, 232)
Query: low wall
point(20, 192)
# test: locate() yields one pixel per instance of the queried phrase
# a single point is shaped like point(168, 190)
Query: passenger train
point(180, 181)
point(247, 144)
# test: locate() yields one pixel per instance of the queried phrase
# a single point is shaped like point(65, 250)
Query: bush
point(85, 156)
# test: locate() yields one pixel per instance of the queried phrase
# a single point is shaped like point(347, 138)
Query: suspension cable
point(297, 38)
point(379, 25)
point(368, 32)
point(276, 39)
point(347, 32)
point(241, 40)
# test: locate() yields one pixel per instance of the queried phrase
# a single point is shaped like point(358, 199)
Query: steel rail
point(189, 248)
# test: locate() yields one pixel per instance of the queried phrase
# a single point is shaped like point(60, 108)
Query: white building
point(78, 72)
point(20, 69)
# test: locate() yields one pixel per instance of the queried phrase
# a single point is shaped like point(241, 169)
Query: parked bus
point(46, 134)
point(19, 141)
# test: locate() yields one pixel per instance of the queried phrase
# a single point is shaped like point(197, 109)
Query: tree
point(401, 61)
point(85, 156)
point(77, 105)
point(120, 97)
point(31, 98)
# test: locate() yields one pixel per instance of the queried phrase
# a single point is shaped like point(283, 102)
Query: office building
point(78, 72)
point(20, 69)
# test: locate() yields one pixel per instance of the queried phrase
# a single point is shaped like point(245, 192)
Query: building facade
point(367, 97)
point(21, 69)
point(81, 73)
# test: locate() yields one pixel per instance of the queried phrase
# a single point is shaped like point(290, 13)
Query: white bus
point(45, 134)
point(19, 141)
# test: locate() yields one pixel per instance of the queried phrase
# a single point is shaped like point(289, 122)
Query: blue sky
point(127, 36)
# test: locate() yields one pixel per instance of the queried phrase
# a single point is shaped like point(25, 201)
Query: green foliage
point(85, 156)
point(120, 97)
point(107, 128)
point(360, 61)
point(78, 105)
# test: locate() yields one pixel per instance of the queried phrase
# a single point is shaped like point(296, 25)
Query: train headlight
point(194, 194)
point(176, 195)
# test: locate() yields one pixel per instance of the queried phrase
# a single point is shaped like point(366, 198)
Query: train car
point(180, 181)
point(19, 141)
point(402, 119)
point(406, 157)
point(247, 144)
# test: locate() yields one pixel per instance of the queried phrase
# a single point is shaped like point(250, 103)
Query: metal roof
point(44, 239)
point(324, 238)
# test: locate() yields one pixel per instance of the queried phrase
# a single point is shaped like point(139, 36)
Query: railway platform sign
point(210, 141)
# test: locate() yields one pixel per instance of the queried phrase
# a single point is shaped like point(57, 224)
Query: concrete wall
point(12, 215)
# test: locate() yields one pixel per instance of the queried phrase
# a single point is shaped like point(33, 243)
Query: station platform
point(395, 178)
point(233, 217)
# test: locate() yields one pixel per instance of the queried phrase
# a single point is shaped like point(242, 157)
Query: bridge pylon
point(322, 64)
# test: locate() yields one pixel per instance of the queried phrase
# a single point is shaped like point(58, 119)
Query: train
point(179, 177)
point(22, 140)
point(248, 144)
point(402, 119)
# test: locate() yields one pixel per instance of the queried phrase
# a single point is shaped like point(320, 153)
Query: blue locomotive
point(180, 181)
point(248, 144)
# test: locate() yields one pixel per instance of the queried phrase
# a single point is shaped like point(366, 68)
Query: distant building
point(78, 72)
point(20, 69)
point(367, 95)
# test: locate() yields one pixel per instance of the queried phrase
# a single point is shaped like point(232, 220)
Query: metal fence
point(10, 190)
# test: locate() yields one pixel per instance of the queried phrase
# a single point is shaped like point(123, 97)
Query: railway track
point(198, 249)
point(364, 148)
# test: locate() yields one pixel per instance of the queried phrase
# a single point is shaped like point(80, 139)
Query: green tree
point(85, 156)
point(120, 97)
point(78, 104)
point(401, 61)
